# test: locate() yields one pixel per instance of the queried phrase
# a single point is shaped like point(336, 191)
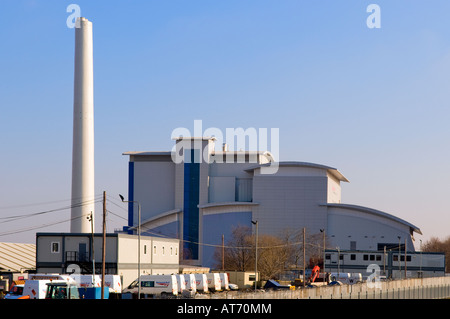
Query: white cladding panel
point(154, 184)
point(289, 202)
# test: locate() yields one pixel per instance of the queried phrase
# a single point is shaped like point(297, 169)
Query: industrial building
point(82, 252)
point(209, 192)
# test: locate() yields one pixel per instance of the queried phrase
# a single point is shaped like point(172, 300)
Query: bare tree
point(238, 252)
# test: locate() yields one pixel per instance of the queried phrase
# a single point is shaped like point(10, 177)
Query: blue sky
point(373, 103)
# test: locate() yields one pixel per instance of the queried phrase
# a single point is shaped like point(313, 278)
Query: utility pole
point(256, 252)
point(304, 257)
point(104, 245)
point(405, 258)
point(223, 252)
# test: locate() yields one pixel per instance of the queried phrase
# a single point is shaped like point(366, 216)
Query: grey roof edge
point(374, 212)
point(330, 169)
point(221, 204)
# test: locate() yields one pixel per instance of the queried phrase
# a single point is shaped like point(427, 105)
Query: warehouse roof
point(374, 212)
point(17, 257)
point(333, 171)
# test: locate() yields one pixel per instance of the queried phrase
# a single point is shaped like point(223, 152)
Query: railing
point(424, 288)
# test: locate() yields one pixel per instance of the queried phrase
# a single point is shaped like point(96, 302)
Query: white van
point(346, 278)
point(86, 281)
point(181, 283)
point(223, 277)
point(16, 292)
point(154, 285)
point(190, 282)
point(114, 283)
point(213, 281)
point(201, 282)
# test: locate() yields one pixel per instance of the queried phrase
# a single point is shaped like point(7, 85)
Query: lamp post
point(139, 242)
point(399, 263)
point(91, 220)
point(339, 260)
point(323, 231)
point(256, 250)
point(420, 272)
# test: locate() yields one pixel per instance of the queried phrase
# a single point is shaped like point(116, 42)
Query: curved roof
point(333, 171)
point(375, 212)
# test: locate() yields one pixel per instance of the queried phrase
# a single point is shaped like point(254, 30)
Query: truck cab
point(62, 290)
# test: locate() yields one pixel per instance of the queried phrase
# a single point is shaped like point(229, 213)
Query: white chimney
point(83, 191)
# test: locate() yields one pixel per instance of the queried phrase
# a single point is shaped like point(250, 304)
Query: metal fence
point(425, 288)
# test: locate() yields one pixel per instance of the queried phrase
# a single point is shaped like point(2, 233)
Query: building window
point(54, 247)
point(154, 250)
point(163, 250)
point(328, 256)
point(145, 249)
point(378, 257)
point(171, 251)
point(365, 257)
point(372, 257)
point(353, 257)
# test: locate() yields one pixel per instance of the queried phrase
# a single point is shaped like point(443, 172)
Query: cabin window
point(54, 247)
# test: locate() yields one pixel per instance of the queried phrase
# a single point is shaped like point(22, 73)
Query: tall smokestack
point(83, 191)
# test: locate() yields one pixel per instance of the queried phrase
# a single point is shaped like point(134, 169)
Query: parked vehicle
point(213, 281)
point(223, 278)
point(201, 282)
point(15, 292)
point(190, 282)
point(114, 283)
point(154, 285)
point(35, 287)
point(346, 278)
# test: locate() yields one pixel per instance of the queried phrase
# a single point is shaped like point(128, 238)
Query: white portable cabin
point(201, 282)
point(213, 281)
point(154, 285)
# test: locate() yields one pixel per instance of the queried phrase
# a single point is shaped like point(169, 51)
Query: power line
point(16, 217)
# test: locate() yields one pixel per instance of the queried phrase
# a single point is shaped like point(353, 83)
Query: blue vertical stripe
point(190, 208)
